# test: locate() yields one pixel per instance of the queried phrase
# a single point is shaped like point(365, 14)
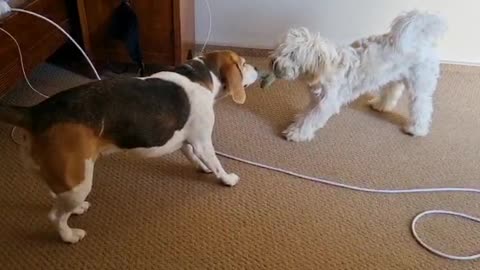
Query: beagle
point(150, 116)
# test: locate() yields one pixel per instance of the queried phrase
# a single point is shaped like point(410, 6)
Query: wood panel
point(184, 23)
point(156, 30)
point(167, 30)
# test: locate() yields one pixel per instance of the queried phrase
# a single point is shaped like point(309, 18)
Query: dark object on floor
point(166, 32)
point(125, 28)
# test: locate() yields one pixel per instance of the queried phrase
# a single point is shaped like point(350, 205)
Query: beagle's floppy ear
point(232, 78)
point(227, 66)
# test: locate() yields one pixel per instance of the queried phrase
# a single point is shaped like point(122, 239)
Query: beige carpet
point(161, 214)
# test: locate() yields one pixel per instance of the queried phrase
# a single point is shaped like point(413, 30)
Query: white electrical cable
point(337, 184)
point(436, 251)
point(22, 65)
point(369, 190)
point(318, 180)
point(5, 8)
point(65, 33)
point(385, 191)
point(207, 4)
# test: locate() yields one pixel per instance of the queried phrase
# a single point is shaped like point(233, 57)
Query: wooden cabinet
point(167, 30)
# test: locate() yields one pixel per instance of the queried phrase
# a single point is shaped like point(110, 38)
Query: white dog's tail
point(416, 30)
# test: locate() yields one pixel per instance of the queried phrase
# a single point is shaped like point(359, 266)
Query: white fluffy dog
point(403, 58)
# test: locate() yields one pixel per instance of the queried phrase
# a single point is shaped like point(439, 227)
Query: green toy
point(267, 80)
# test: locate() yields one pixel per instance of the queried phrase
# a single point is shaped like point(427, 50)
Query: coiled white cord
point(385, 191)
point(436, 251)
point(318, 180)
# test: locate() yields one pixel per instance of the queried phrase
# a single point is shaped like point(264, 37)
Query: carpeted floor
point(161, 214)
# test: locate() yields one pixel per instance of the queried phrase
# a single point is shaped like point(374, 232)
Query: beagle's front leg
point(187, 151)
point(206, 153)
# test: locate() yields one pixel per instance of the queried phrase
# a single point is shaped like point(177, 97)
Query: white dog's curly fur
point(406, 57)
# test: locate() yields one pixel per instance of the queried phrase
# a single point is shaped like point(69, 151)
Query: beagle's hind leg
point(72, 202)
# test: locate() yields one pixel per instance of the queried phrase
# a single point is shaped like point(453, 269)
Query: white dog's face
point(301, 53)
point(284, 67)
point(284, 58)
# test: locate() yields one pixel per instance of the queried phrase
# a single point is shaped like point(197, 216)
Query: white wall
point(259, 23)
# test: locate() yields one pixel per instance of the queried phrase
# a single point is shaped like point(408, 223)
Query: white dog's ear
point(300, 34)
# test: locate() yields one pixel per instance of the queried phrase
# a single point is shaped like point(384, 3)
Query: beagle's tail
point(15, 115)
point(417, 30)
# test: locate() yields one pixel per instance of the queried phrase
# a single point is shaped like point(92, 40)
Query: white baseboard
point(263, 52)
point(459, 63)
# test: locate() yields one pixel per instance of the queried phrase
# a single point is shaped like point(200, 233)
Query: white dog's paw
point(72, 236)
point(296, 134)
point(378, 105)
point(415, 131)
point(81, 209)
point(230, 179)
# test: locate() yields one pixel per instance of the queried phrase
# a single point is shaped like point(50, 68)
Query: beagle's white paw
point(230, 179)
